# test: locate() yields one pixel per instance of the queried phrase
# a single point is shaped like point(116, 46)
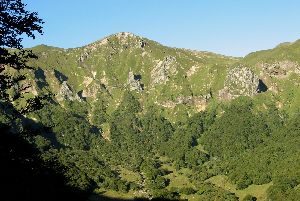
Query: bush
point(249, 198)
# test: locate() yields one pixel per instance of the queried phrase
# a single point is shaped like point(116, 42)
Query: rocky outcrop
point(124, 36)
point(133, 82)
point(142, 43)
point(65, 93)
point(164, 70)
point(91, 91)
point(241, 81)
point(87, 81)
point(280, 69)
point(114, 43)
point(200, 102)
point(24, 87)
point(83, 56)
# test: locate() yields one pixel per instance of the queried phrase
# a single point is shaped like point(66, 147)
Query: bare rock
point(163, 70)
point(91, 91)
point(199, 102)
point(133, 82)
point(65, 93)
point(142, 43)
point(280, 69)
point(241, 81)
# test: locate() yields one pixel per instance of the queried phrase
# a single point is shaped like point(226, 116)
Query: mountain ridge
point(168, 77)
point(188, 49)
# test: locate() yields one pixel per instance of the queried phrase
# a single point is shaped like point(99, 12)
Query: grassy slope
point(288, 93)
point(259, 191)
point(112, 60)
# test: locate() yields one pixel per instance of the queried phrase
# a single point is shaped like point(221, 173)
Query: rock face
point(65, 93)
point(163, 70)
point(134, 82)
point(241, 81)
point(142, 43)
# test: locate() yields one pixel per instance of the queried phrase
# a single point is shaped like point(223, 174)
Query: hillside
point(167, 77)
point(130, 118)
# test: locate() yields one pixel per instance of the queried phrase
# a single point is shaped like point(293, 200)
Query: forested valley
point(145, 152)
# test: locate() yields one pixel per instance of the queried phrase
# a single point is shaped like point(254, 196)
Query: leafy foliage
point(16, 21)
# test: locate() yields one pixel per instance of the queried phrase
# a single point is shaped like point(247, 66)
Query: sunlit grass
point(259, 191)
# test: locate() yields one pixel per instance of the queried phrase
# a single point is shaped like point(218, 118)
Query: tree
point(100, 116)
point(15, 23)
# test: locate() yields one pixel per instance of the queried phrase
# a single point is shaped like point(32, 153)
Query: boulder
point(65, 93)
point(241, 81)
point(133, 82)
point(163, 70)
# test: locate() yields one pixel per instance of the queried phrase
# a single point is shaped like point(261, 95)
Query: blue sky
point(230, 27)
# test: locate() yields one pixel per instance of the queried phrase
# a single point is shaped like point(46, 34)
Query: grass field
point(259, 191)
point(178, 178)
point(130, 175)
point(110, 195)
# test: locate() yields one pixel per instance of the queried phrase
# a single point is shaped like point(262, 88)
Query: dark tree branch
point(15, 23)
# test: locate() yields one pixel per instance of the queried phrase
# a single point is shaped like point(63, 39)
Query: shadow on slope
point(24, 176)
